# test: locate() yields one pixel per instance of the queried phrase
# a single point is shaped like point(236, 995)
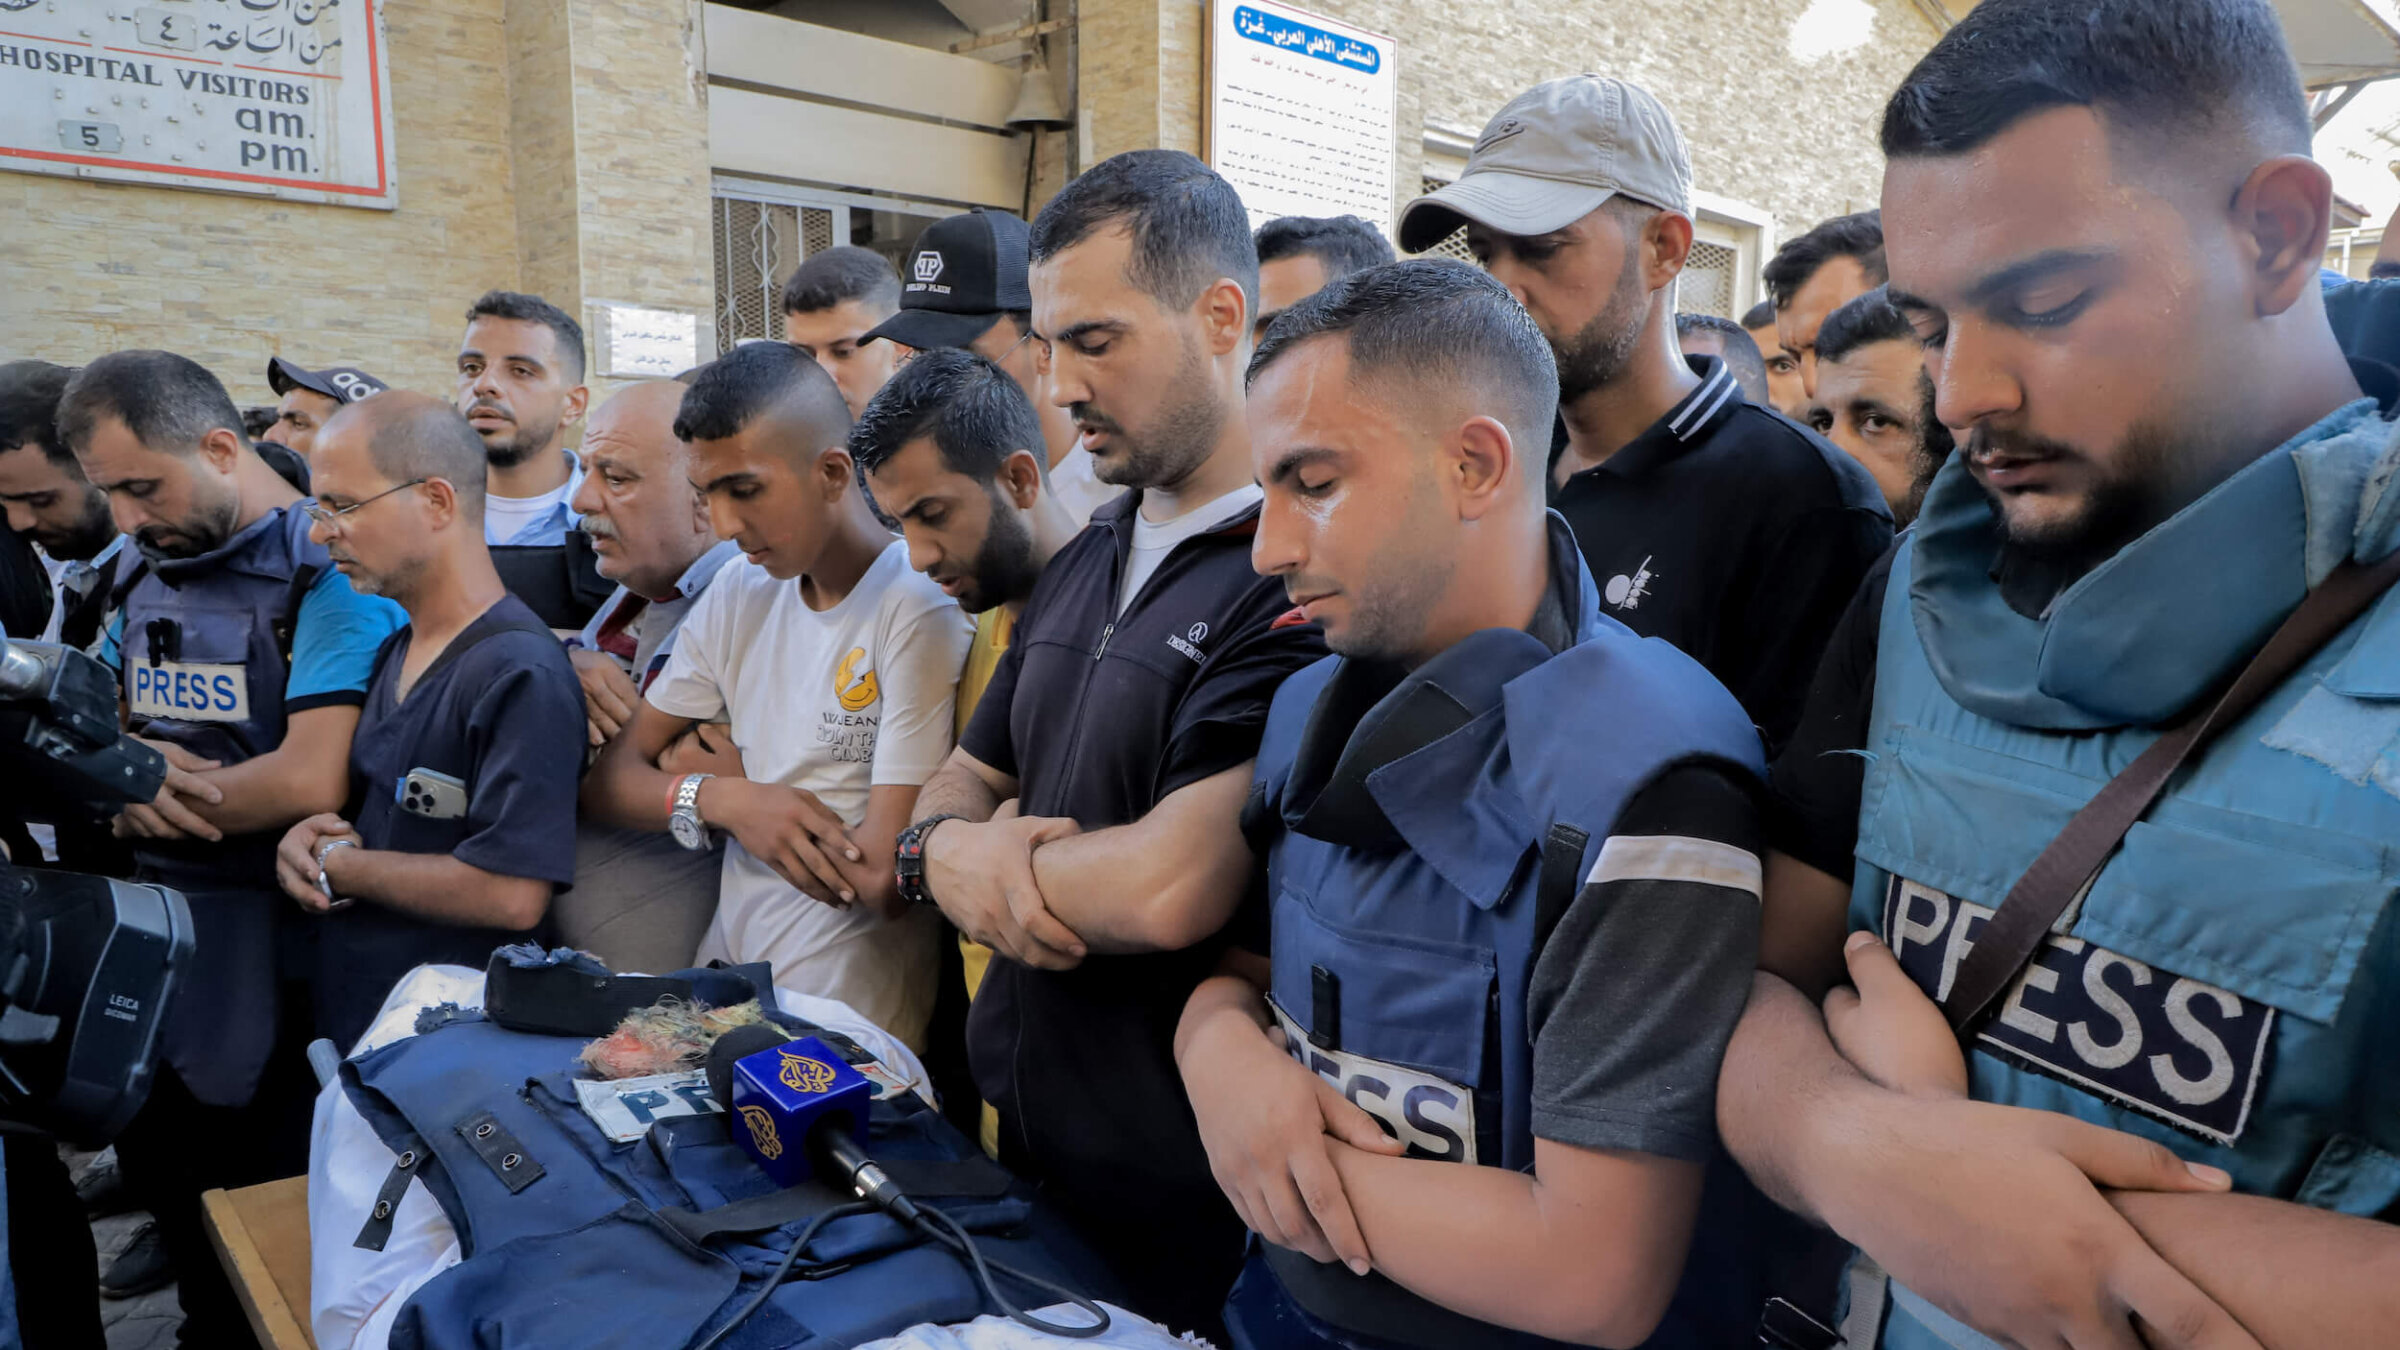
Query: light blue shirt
point(550, 529)
point(654, 628)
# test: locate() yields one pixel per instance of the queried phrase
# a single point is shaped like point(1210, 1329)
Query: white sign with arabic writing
point(281, 98)
point(1301, 112)
point(636, 341)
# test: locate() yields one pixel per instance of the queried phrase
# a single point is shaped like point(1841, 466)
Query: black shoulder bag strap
point(287, 619)
point(2017, 929)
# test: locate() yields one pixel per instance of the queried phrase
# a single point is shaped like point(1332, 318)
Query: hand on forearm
point(1914, 1180)
point(1268, 1125)
point(2297, 1278)
point(1163, 883)
point(982, 876)
point(790, 831)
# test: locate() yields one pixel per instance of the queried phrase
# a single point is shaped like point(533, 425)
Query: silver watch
point(684, 821)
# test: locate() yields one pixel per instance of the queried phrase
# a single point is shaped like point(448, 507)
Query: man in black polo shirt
point(461, 814)
point(1708, 521)
point(1123, 720)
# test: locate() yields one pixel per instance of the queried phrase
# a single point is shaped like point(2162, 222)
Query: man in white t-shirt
point(837, 667)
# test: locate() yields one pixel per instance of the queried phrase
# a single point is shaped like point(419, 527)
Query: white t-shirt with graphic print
point(834, 702)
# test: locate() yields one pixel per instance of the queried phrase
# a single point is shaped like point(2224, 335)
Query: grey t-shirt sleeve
point(1637, 991)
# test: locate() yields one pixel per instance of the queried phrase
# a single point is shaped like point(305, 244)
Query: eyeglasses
point(332, 516)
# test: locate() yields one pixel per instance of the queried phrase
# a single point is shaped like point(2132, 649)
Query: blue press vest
point(1405, 968)
point(561, 1232)
point(231, 607)
point(2227, 985)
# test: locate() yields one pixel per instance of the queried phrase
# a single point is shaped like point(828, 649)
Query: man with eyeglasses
point(460, 816)
point(244, 657)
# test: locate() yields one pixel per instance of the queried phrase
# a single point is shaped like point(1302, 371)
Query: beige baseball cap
point(1552, 156)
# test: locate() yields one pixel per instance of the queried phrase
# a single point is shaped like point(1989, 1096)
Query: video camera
point(88, 965)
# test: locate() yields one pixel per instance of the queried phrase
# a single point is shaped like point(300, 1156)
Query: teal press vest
point(2220, 986)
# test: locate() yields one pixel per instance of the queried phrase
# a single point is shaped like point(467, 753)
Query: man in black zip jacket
point(1122, 720)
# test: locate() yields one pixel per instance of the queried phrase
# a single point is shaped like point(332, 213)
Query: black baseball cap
point(343, 384)
point(964, 273)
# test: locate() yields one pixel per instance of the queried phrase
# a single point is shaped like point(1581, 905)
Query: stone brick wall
point(555, 146)
point(230, 281)
point(1794, 138)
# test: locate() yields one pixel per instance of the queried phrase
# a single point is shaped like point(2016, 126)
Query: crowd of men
point(1422, 803)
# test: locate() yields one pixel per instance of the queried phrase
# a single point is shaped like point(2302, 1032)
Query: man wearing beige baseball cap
point(1719, 525)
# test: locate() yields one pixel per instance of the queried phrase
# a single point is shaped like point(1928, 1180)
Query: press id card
point(626, 1108)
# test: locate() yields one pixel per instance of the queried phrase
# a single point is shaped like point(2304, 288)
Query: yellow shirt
point(993, 628)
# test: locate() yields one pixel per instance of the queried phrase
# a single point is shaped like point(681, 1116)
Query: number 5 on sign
point(90, 136)
point(165, 28)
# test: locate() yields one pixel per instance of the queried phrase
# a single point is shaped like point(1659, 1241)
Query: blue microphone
point(799, 1111)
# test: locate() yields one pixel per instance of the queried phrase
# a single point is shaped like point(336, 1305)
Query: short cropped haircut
point(1761, 315)
point(846, 272)
point(415, 438)
point(29, 395)
point(1188, 225)
point(1432, 319)
point(170, 403)
point(2178, 68)
point(525, 308)
point(754, 380)
point(976, 413)
point(1857, 236)
point(1868, 318)
point(1742, 356)
point(1343, 244)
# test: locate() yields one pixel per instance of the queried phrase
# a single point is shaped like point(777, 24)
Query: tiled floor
point(144, 1323)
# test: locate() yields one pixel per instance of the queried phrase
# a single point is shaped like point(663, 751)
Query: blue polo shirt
point(496, 726)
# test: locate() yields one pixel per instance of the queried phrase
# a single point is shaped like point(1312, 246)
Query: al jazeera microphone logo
point(763, 1136)
point(802, 1074)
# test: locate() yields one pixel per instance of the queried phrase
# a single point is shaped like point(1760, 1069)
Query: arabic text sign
point(647, 343)
point(1301, 112)
point(282, 98)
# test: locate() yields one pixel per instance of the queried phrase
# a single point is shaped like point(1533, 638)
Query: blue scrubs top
point(493, 734)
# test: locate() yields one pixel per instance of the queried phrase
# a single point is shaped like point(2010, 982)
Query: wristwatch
point(908, 859)
point(325, 886)
point(683, 818)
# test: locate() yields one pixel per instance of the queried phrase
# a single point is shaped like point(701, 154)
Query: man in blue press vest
point(1512, 859)
point(2069, 199)
point(244, 657)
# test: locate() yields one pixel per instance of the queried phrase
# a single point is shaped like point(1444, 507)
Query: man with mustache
point(244, 655)
point(1123, 719)
point(639, 901)
point(459, 818)
point(520, 385)
point(2172, 1121)
point(1710, 521)
point(1875, 401)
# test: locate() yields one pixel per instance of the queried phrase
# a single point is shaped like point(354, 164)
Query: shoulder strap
point(287, 617)
point(2017, 929)
point(1562, 876)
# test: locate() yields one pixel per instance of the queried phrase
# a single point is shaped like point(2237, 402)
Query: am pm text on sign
point(280, 98)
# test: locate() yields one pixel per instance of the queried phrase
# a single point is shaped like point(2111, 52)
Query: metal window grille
point(1454, 246)
point(757, 245)
point(1706, 286)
